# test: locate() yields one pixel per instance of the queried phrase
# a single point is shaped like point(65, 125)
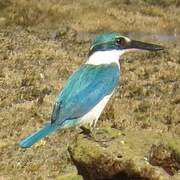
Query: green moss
point(111, 132)
point(130, 153)
point(174, 144)
point(69, 176)
point(84, 149)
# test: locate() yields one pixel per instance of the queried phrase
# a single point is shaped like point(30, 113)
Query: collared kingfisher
point(89, 88)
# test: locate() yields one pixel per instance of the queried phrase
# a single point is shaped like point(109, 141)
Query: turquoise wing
point(84, 89)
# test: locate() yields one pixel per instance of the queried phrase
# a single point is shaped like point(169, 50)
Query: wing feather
point(84, 89)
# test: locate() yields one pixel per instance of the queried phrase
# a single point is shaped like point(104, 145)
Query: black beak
point(133, 44)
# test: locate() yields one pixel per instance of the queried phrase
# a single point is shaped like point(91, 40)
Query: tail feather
point(41, 133)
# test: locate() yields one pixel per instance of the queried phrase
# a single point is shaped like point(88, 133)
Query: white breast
point(95, 112)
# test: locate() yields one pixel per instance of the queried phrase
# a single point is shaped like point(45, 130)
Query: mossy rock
point(124, 157)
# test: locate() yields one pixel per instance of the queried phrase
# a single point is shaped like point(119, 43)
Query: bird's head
point(120, 44)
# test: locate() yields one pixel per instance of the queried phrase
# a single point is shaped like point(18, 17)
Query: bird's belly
point(96, 111)
point(89, 117)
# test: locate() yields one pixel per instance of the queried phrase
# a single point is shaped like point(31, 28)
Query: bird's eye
point(121, 41)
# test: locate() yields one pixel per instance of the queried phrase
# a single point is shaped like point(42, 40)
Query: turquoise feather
point(41, 133)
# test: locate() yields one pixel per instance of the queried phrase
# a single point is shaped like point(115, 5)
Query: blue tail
point(41, 133)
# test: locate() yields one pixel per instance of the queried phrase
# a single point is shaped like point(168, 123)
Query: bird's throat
point(104, 57)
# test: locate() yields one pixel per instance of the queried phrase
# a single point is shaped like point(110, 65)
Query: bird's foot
point(87, 132)
point(95, 135)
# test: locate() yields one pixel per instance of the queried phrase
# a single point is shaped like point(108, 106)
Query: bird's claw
point(85, 131)
point(92, 135)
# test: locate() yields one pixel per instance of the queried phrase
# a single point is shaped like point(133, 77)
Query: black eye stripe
point(104, 46)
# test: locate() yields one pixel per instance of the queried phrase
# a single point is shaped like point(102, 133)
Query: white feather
point(95, 112)
point(105, 57)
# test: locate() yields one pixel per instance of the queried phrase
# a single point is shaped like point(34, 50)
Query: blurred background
point(43, 42)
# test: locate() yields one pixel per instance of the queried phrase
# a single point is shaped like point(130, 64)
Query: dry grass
point(101, 15)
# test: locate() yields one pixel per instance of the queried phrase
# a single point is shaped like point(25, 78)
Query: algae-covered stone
point(126, 156)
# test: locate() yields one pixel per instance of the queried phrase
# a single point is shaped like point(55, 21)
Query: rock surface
point(127, 155)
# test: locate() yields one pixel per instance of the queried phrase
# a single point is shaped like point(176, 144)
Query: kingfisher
point(87, 91)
